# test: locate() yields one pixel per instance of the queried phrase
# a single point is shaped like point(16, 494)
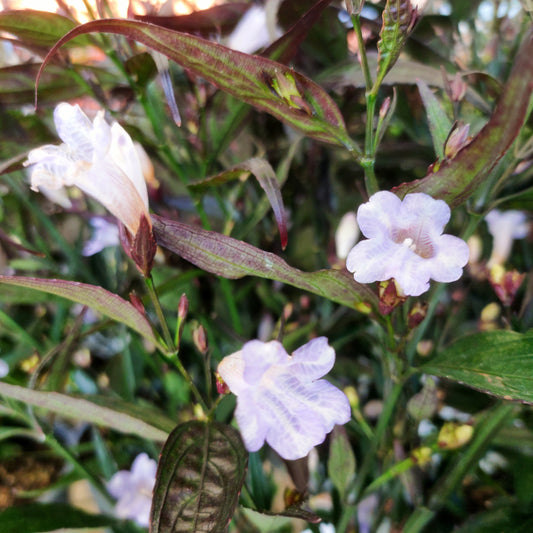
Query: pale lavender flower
point(104, 235)
point(405, 242)
point(133, 490)
point(281, 399)
point(505, 227)
point(4, 369)
point(98, 158)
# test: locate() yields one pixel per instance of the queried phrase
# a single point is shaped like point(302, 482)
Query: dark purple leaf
point(199, 477)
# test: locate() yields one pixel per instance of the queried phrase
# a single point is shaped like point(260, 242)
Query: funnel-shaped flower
point(98, 158)
point(133, 490)
point(405, 242)
point(505, 227)
point(281, 399)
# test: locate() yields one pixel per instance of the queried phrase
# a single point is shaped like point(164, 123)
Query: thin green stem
point(170, 346)
point(389, 406)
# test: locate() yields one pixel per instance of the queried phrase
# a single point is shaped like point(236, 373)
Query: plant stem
point(368, 160)
point(388, 409)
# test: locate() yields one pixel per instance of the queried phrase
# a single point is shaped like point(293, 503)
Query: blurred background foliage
point(50, 344)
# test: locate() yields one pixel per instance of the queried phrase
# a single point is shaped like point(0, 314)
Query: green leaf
point(457, 179)
point(38, 28)
point(341, 461)
point(263, 83)
point(83, 409)
point(41, 517)
point(235, 259)
point(199, 476)
point(399, 20)
point(97, 298)
point(496, 362)
point(439, 123)
point(266, 177)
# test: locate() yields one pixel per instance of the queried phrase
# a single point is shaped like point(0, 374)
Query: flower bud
point(505, 283)
point(390, 296)
point(453, 435)
point(199, 338)
point(417, 314)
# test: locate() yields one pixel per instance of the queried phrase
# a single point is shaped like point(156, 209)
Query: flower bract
point(405, 242)
point(98, 158)
point(280, 398)
point(133, 490)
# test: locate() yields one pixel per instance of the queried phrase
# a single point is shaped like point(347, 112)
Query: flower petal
point(369, 260)
point(74, 129)
point(377, 216)
point(252, 424)
point(313, 360)
point(430, 213)
point(259, 356)
point(231, 370)
point(452, 256)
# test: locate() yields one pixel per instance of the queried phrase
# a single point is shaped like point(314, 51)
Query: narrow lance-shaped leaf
point(82, 409)
point(439, 123)
point(341, 461)
point(266, 177)
point(97, 298)
point(399, 20)
point(459, 177)
point(199, 477)
point(235, 259)
point(496, 362)
point(37, 28)
point(265, 84)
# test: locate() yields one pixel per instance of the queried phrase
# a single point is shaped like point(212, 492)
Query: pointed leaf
point(266, 177)
point(199, 477)
point(38, 28)
point(265, 84)
point(97, 298)
point(457, 179)
point(341, 461)
point(41, 517)
point(439, 123)
point(82, 409)
point(235, 259)
point(496, 362)
point(399, 20)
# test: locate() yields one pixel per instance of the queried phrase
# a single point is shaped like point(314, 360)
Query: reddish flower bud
point(390, 296)
point(417, 314)
point(199, 338)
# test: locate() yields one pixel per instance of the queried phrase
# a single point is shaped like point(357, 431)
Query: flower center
point(416, 240)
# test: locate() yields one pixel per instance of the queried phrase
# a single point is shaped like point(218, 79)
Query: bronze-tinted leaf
point(458, 178)
point(199, 477)
point(265, 84)
point(231, 258)
point(96, 298)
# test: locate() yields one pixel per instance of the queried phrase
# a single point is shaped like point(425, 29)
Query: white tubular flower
point(346, 235)
point(504, 228)
point(281, 399)
point(133, 490)
point(98, 158)
point(405, 242)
